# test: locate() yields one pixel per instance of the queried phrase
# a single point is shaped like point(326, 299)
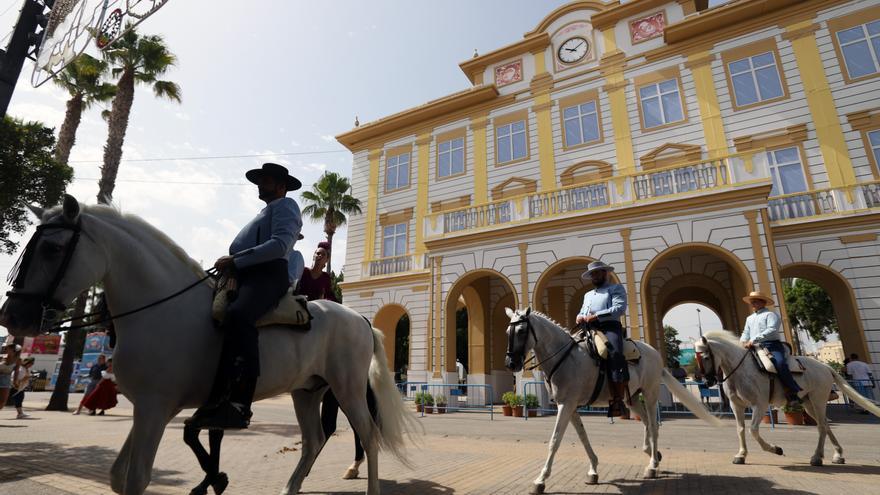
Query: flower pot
point(506, 410)
point(636, 416)
point(808, 420)
point(766, 418)
point(626, 415)
point(795, 418)
point(441, 408)
point(533, 413)
point(419, 408)
point(517, 411)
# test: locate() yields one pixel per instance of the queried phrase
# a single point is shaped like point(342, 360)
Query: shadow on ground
point(832, 469)
point(409, 487)
point(89, 462)
point(685, 483)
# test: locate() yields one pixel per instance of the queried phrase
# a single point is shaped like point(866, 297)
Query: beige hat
point(758, 295)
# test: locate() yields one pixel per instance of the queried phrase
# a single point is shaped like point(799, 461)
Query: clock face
point(573, 50)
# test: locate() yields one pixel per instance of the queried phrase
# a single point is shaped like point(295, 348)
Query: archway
point(559, 292)
point(483, 294)
point(851, 331)
point(698, 273)
point(689, 320)
point(393, 319)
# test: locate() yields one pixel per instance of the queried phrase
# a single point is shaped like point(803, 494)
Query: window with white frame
point(581, 123)
point(397, 172)
point(661, 103)
point(860, 46)
point(450, 157)
point(755, 79)
point(394, 240)
point(874, 141)
point(511, 141)
point(786, 171)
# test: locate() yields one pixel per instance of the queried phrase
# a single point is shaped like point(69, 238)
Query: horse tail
point(859, 399)
point(395, 422)
point(688, 399)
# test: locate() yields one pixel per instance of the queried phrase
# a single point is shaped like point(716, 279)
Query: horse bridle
point(510, 351)
point(711, 379)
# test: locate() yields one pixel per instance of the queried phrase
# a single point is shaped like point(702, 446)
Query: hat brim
point(586, 274)
point(254, 177)
point(770, 302)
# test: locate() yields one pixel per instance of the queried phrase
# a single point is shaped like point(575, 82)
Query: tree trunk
point(117, 128)
point(67, 133)
point(330, 231)
point(75, 339)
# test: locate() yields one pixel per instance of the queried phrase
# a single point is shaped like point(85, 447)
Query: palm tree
point(135, 59)
point(83, 81)
point(329, 201)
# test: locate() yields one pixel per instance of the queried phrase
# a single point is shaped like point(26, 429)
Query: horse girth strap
point(556, 366)
point(600, 383)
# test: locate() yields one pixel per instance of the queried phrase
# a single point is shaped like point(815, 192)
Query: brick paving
point(464, 453)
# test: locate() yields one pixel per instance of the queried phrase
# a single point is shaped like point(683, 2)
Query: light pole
point(699, 323)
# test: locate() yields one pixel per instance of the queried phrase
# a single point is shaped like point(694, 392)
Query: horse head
point(58, 262)
point(706, 362)
point(520, 338)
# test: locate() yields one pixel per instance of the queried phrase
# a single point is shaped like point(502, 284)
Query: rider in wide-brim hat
point(759, 295)
point(273, 170)
point(596, 265)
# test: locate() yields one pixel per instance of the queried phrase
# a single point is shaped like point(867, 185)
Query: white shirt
point(858, 370)
point(761, 326)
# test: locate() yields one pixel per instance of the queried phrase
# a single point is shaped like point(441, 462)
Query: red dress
point(315, 288)
point(103, 397)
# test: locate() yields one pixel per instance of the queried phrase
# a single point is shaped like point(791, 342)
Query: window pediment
point(584, 172)
point(514, 186)
point(670, 154)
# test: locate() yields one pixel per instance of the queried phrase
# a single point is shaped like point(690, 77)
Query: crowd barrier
point(459, 398)
point(408, 390)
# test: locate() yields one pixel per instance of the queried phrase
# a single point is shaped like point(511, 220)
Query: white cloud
point(328, 138)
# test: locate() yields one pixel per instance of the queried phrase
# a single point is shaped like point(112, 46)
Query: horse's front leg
point(563, 417)
point(143, 443)
point(592, 474)
point(739, 413)
point(208, 460)
point(120, 466)
point(757, 414)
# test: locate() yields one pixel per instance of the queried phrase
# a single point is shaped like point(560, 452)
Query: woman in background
point(21, 378)
point(104, 395)
point(7, 366)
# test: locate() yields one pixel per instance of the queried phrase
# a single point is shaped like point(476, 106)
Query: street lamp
point(699, 323)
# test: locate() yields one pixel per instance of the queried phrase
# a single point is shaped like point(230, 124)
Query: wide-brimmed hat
point(759, 295)
point(27, 360)
point(596, 265)
point(274, 170)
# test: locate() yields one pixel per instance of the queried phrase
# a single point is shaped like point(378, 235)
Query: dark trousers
point(330, 411)
point(617, 369)
point(259, 289)
point(777, 350)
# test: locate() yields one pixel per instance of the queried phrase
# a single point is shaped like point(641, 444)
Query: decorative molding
point(514, 186)
point(584, 172)
point(541, 83)
point(395, 218)
point(722, 17)
point(647, 27)
point(366, 295)
point(401, 280)
point(566, 9)
point(801, 32)
point(509, 73)
point(529, 44)
point(670, 154)
point(855, 238)
point(864, 120)
point(772, 139)
point(543, 106)
point(451, 204)
point(699, 61)
point(421, 288)
point(619, 11)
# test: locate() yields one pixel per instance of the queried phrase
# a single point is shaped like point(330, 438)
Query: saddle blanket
point(292, 310)
point(630, 351)
point(794, 364)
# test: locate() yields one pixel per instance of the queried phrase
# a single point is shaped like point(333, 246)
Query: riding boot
point(616, 406)
point(232, 413)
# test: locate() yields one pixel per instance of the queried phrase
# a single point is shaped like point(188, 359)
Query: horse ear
point(36, 210)
point(70, 208)
point(528, 311)
point(510, 313)
point(703, 339)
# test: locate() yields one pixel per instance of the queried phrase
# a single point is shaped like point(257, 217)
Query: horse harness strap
point(725, 378)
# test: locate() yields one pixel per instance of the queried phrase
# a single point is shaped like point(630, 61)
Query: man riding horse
point(257, 267)
point(603, 306)
point(762, 328)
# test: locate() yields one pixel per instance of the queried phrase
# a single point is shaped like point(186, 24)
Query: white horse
point(76, 247)
point(747, 386)
point(572, 376)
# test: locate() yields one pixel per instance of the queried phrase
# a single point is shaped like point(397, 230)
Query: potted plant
point(507, 399)
point(532, 404)
point(794, 415)
point(766, 418)
point(419, 399)
point(517, 404)
point(440, 404)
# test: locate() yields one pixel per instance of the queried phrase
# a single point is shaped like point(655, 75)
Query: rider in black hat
point(257, 267)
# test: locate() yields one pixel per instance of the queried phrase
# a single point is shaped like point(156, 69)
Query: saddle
point(292, 310)
point(765, 361)
point(598, 343)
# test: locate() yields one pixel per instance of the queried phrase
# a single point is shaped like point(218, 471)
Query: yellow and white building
point(703, 152)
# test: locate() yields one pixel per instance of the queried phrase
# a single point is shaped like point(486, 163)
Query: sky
point(274, 78)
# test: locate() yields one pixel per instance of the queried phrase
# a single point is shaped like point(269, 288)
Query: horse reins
point(723, 378)
point(567, 348)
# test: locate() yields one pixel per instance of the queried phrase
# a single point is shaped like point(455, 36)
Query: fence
point(408, 390)
point(455, 398)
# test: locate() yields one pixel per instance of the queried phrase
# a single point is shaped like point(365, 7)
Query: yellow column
point(758, 251)
point(437, 291)
point(822, 109)
point(632, 301)
point(481, 170)
point(372, 205)
point(424, 147)
point(615, 87)
point(540, 87)
point(777, 279)
point(524, 288)
point(710, 113)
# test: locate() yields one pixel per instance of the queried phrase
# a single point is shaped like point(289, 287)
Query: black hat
point(274, 170)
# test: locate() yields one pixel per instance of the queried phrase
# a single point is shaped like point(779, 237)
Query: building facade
point(703, 152)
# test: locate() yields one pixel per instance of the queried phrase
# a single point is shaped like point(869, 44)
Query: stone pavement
point(463, 453)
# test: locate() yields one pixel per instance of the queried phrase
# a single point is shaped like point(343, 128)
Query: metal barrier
point(458, 398)
point(408, 390)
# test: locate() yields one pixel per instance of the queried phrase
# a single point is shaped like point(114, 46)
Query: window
point(450, 157)
point(510, 141)
point(874, 142)
point(394, 240)
point(581, 123)
point(397, 172)
point(755, 79)
point(661, 103)
point(786, 171)
point(860, 46)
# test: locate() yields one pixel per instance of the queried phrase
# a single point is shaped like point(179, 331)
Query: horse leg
point(592, 474)
point(308, 414)
point(146, 433)
point(209, 462)
point(757, 414)
point(120, 466)
point(355, 406)
point(654, 426)
point(649, 447)
point(817, 411)
point(563, 417)
point(739, 413)
point(359, 454)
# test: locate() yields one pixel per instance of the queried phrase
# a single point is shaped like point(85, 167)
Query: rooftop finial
point(475, 53)
point(357, 122)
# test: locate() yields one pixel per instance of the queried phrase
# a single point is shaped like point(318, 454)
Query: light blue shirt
point(761, 326)
point(269, 236)
point(295, 265)
point(607, 302)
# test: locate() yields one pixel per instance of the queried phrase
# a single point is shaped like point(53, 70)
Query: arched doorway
point(843, 300)
point(559, 292)
point(696, 273)
point(477, 300)
point(393, 320)
point(686, 322)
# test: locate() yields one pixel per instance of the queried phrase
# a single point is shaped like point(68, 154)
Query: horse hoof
point(778, 451)
point(816, 461)
point(537, 489)
point(593, 479)
point(199, 490)
point(650, 474)
point(838, 460)
point(739, 460)
point(220, 483)
point(351, 474)
point(659, 457)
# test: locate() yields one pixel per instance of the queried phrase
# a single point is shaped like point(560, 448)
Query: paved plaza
point(464, 453)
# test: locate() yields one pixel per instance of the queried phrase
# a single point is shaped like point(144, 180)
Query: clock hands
point(575, 48)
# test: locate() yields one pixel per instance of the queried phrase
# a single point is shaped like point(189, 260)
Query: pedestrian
point(7, 366)
point(21, 378)
point(94, 379)
point(678, 372)
point(104, 395)
point(861, 377)
point(315, 283)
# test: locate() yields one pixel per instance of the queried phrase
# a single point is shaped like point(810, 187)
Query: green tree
point(670, 340)
point(329, 201)
point(83, 81)
point(335, 280)
point(809, 307)
point(29, 173)
point(135, 59)
point(401, 343)
point(461, 335)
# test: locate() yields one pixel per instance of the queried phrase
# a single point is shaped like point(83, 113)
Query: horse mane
point(546, 317)
point(723, 335)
